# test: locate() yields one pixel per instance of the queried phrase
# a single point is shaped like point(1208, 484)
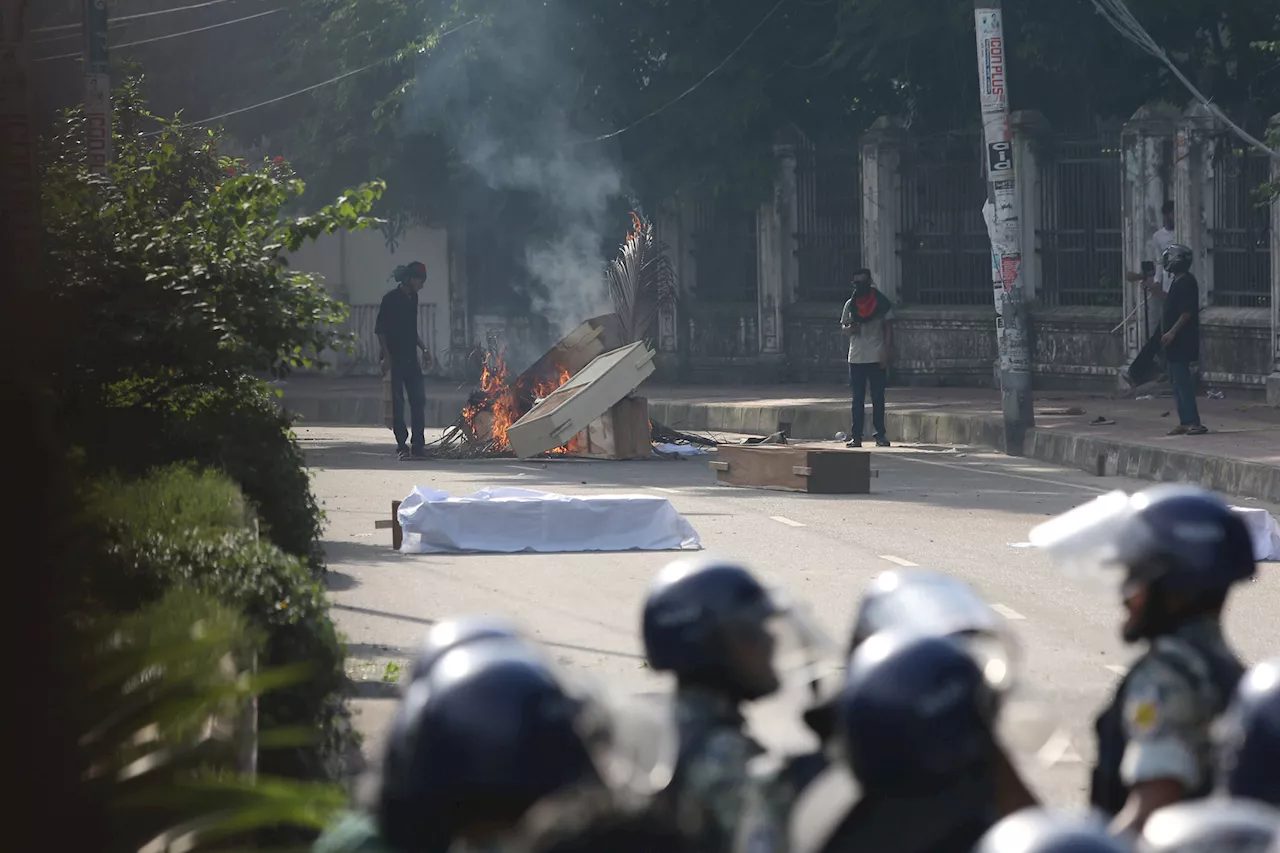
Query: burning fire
point(502, 404)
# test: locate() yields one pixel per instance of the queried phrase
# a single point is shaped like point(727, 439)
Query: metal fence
point(1081, 241)
point(1241, 227)
point(725, 252)
point(829, 220)
point(946, 254)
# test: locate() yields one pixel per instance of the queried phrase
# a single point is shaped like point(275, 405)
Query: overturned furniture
point(593, 404)
point(794, 468)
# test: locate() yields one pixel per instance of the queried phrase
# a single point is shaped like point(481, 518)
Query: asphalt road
point(957, 510)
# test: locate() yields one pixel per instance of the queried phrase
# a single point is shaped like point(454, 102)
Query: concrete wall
point(356, 268)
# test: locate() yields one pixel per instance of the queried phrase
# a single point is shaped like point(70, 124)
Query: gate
point(1081, 242)
point(946, 253)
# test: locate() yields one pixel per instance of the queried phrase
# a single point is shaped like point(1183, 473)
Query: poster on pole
point(991, 60)
point(97, 115)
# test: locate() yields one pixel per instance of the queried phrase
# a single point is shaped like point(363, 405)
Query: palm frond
point(642, 280)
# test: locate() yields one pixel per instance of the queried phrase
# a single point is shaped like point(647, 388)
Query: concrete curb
point(1094, 454)
point(821, 421)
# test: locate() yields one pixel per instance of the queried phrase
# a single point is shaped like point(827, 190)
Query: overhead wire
point(80, 54)
point(1118, 15)
point(119, 19)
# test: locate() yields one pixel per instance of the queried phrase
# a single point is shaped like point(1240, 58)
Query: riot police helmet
point(1036, 830)
point(1247, 737)
point(452, 633)
point(494, 727)
point(916, 713)
point(1170, 540)
point(712, 622)
point(1177, 258)
point(1212, 825)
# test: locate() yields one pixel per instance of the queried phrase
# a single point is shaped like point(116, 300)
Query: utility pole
point(1003, 227)
point(97, 85)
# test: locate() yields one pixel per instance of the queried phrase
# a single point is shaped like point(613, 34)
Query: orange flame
point(491, 422)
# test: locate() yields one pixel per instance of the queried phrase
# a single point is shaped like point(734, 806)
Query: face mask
point(861, 287)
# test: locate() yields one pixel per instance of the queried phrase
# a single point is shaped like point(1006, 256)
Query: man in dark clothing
point(867, 319)
point(397, 331)
point(1180, 328)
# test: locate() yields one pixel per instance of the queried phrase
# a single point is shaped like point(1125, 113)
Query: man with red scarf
point(868, 321)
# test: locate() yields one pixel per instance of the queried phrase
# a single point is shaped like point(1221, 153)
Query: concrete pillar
point(459, 322)
point(671, 236)
point(789, 206)
point(882, 203)
point(1146, 182)
point(1028, 127)
point(1193, 192)
point(770, 292)
point(1273, 380)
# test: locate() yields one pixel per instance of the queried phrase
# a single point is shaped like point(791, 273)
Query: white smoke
point(542, 155)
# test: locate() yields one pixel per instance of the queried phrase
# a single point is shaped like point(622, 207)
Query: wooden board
point(620, 433)
point(794, 468)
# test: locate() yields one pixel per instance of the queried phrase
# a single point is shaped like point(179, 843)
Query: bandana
point(870, 305)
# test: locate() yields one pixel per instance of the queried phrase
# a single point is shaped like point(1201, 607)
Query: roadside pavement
point(1239, 456)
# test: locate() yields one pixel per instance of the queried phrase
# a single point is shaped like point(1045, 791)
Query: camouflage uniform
point(1165, 705)
point(715, 751)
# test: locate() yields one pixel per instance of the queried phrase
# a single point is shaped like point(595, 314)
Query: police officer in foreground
point(916, 734)
point(1040, 831)
point(1178, 551)
point(918, 602)
point(1247, 738)
point(1214, 824)
point(717, 629)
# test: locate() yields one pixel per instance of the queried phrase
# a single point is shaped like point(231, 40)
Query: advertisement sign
point(95, 30)
point(991, 59)
point(97, 114)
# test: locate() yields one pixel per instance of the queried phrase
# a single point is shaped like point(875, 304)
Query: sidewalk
point(1240, 455)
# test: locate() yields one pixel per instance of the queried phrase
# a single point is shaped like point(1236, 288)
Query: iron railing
point(946, 254)
point(1081, 240)
point(829, 221)
point(725, 253)
point(1241, 227)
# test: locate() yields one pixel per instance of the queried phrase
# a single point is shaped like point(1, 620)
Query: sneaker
point(881, 441)
point(402, 453)
point(1198, 429)
point(1180, 429)
point(853, 442)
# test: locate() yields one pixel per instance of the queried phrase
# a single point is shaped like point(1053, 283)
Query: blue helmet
point(694, 610)
point(481, 736)
point(1216, 824)
point(452, 633)
point(1039, 831)
point(916, 713)
point(1247, 737)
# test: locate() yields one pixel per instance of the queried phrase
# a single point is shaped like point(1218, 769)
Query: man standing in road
point(868, 321)
point(1180, 337)
point(397, 331)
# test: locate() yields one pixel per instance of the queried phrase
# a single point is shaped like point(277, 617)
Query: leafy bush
point(147, 558)
point(178, 500)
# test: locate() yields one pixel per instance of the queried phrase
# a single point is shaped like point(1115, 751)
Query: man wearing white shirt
point(1157, 286)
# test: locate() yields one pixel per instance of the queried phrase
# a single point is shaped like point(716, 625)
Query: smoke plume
point(518, 73)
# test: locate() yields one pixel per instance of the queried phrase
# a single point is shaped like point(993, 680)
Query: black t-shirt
point(398, 323)
point(1183, 298)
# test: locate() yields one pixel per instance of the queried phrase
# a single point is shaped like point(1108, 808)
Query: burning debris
point(641, 281)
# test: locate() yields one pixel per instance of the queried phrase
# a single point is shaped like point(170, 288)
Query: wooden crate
point(794, 468)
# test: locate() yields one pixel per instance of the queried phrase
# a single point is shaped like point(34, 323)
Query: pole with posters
point(1003, 227)
point(97, 85)
point(19, 190)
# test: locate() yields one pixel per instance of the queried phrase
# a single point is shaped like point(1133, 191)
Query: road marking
point(660, 489)
point(1117, 669)
point(784, 520)
point(1007, 612)
point(976, 470)
point(524, 467)
point(898, 561)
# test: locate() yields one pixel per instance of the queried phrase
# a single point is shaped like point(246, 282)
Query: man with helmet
point(1180, 324)
point(713, 625)
point(1247, 738)
point(399, 343)
point(1178, 551)
point(917, 747)
point(1216, 824)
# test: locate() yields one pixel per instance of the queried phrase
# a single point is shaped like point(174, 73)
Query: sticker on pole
point(991, 58)
point(999, 156)
point(1009, 270)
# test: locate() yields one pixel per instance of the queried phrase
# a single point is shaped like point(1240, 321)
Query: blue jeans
point(406, 381)
point(860, 376)
point(1184, 393)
